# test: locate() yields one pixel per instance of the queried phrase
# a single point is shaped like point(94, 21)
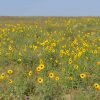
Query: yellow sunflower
point(40, 80)
point(70, 78)
point(10, 81)
point(10, 48)
point(96, 86)
point(75, 67)
point(38, 69)
point(63, 69)
point(51, 74)
point(30, 73)
point(70, 61)
point(82, 75)
point(41, 66)
point(57, 78)
point(9, 72)
point(2, 76)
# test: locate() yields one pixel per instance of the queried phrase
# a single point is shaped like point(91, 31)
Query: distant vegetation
point(49, 58)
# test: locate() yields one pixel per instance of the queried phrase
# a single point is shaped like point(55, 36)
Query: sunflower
point(75, 67)
point(82, 75)
point(96, 86)
point(41, 66)
point(51, 75)
point(10, 48)
point(70, 61)
point(9, 72)
point(30, 73)
point(63, 69)
point(38, 69)
point(70, 78)
point(57, 78)
point(2, 76)
point(40, 80)
point(10, 81)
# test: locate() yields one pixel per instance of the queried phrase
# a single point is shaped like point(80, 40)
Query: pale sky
point(49, 7)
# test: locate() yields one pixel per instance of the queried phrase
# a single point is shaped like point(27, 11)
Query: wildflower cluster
point(49, 53)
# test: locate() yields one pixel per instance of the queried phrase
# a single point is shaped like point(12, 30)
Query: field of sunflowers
point(49, 58)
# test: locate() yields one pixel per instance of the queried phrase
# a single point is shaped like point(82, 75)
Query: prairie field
point(49, 58)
